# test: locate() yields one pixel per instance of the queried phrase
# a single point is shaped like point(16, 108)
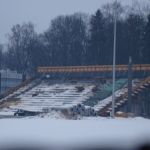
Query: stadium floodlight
point(114, 61)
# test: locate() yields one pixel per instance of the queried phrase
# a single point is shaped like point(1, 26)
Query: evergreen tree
point(134, 37)
point(97, 39)
point(147, 42)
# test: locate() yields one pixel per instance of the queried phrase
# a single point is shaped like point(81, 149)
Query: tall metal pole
point(0, 83)
point(114, 61)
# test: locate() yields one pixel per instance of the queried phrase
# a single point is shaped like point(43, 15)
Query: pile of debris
point(82, 110)
point(77, 110)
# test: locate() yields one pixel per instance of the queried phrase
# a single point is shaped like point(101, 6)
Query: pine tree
point(147, 42)
point(134, 37)
point(97, 39)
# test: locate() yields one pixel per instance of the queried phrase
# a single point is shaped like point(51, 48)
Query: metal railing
point(100, 68)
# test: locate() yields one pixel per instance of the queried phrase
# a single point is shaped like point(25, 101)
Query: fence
point(9, 79)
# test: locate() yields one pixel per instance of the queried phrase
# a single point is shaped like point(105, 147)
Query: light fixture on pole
point(114, 61)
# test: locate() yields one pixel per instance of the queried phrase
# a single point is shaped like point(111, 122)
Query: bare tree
point(20, 45)
point(66, 40)
point(139, 7)
point(109, 9)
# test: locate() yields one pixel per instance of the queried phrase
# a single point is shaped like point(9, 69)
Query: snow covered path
point(119, 132)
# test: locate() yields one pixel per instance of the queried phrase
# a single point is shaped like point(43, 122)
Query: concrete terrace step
point(57, 95)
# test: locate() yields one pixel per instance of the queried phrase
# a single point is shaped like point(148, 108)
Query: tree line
point(80, 39)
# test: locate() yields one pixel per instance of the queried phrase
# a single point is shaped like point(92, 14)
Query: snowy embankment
point(91, 131)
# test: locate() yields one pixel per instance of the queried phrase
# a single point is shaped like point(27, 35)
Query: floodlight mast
point(114, 61)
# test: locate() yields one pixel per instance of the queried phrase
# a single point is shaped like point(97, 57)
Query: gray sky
point(40, 12)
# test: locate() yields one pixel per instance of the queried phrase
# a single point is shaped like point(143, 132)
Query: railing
point(100, 68)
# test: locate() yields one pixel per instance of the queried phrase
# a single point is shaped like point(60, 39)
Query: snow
point(53, 96)
point(88, 131)
point(6, 113)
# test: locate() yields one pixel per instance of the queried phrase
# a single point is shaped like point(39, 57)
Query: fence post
point(129, 85)
point(0, 83)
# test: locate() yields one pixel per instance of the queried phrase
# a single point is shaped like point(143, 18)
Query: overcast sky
point(40, 12)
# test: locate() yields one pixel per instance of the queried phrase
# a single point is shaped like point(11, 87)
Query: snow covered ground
point(91, 131)
point(53, 129)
